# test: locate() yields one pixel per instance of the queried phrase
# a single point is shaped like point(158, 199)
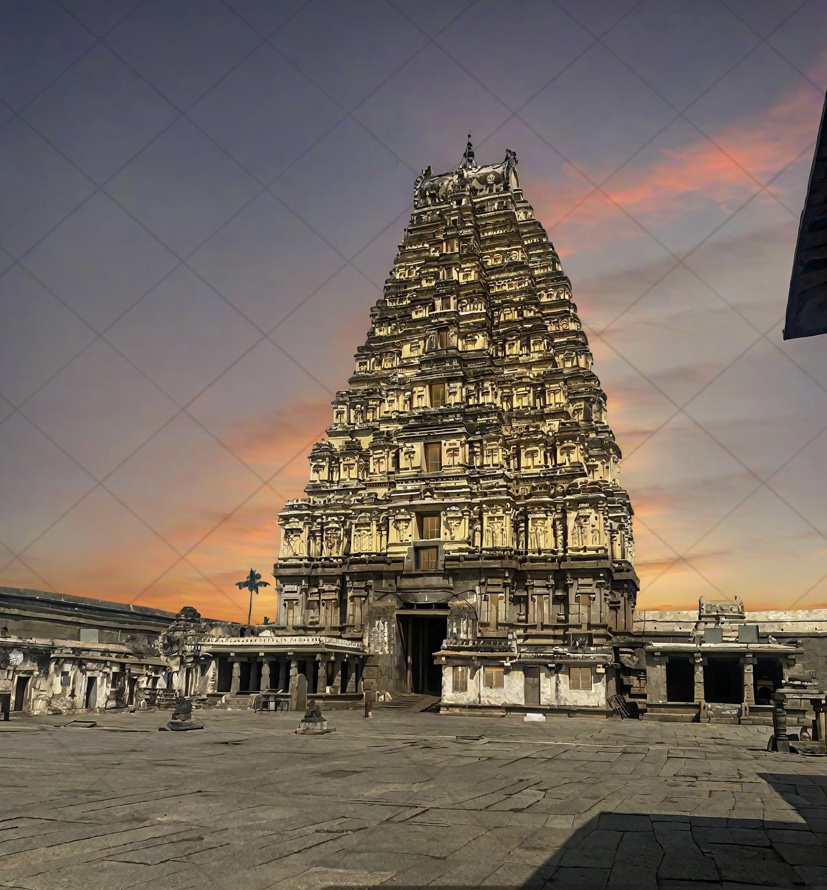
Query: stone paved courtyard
point(404, 800)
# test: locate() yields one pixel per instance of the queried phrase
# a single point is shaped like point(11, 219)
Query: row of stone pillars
point(340, 673)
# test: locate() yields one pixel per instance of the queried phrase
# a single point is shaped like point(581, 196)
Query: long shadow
point(634, 850)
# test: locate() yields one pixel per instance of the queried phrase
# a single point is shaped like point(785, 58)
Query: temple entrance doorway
point(724, 681)
point(531, 688)
point(422, 629)
point(680, 680)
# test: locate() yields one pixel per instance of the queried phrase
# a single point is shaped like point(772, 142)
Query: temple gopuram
point(464, 524)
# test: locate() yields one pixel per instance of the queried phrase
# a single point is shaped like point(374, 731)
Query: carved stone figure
point(578, 532)
point(291, 539)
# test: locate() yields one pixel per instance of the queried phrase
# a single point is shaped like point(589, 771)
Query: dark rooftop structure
point(807, 303)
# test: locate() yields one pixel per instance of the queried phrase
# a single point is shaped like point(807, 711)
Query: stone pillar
point(698, 677)
point(656, 678)
point(294, 670)
point(236, 680)
point(351, 674)
point(749, 687)
point(321, 680)
point(265, 675)
point(337, 675)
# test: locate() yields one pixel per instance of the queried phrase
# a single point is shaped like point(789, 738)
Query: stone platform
point(405, 800)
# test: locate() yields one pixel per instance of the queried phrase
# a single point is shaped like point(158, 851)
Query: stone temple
point(464, 525)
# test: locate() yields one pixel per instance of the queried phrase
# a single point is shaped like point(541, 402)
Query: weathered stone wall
point(37, 614)
point(814, 657)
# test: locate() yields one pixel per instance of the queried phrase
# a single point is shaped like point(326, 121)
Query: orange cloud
point(717, 170)
point(277, 442)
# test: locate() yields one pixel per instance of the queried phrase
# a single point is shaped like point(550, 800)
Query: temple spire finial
point(468, 155)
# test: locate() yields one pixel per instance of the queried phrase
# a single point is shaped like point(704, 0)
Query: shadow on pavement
point(671, 851)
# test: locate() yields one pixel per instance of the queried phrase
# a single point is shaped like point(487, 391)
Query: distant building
point(721, 663)
point(62, 654)
point(464, 526)
point(69, 655)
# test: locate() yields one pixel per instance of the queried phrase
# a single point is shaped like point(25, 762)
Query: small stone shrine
point(182, 718)
point(313, 723)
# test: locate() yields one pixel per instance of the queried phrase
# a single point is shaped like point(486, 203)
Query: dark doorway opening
point(768, 676)
point(255, 676)
point(132, 685)
point(244, 677)
point(91, 693)
point(680, 680)
point(724, 681)
point(423, 632)
point(224, 680)
point(531, 692)
point(20, 688)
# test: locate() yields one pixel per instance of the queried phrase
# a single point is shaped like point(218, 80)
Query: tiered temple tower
point(466, 500)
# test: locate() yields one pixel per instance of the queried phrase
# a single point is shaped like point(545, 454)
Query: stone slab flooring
point(404, 800)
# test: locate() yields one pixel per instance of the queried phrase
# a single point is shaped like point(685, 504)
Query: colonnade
point(338, 673)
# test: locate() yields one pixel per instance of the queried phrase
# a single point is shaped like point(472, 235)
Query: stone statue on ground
point(313, 723)
point(182, 718)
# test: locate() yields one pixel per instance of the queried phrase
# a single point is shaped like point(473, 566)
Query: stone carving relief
point(292, 541)
point(402, 526)
point(538, 533)
point(333, 541)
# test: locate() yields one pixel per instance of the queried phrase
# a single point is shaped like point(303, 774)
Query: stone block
point(687, 867)
point(624, 822)
point(745, 870)
point(579, 879)
point(803, 854)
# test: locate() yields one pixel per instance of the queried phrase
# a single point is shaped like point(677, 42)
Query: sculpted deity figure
point(383, 533)
point(291, 539)
point(315, 544)
point(363, 537)
point(476, 534)
point(596, 533)
point(333, 541)
point(578, 532)
point(520, 536)
point(402, 524)
point(538, 533)
point(453, 523)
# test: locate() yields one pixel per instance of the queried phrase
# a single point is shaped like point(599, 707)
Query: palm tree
point(252, 583)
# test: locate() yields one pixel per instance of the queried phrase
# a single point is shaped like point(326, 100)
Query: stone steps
point(410, 702)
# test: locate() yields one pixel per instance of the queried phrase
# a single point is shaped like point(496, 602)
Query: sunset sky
point(200, 201)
